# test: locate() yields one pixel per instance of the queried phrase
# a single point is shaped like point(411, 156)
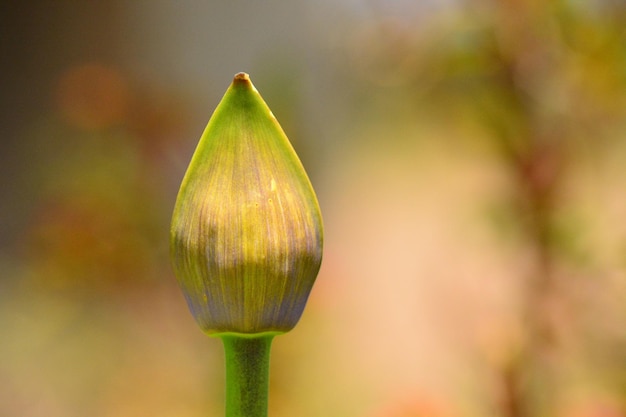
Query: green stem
point(247, 374)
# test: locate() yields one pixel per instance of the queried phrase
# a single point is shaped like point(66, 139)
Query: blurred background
point(469, 157)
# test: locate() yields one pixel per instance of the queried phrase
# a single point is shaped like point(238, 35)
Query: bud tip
point(241, 77)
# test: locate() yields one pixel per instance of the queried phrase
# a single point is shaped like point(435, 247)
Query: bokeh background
point(469, 158)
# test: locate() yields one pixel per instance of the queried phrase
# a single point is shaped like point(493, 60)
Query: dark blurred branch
point(542, 80)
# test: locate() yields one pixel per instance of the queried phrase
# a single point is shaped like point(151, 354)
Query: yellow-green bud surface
point(246, 233)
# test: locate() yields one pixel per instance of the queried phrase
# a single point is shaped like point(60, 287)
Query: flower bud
point(246, 233)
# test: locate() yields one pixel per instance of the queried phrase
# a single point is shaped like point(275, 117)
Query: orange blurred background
point(470, 161)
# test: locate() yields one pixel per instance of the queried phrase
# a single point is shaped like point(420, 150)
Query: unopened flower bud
point(246, 234)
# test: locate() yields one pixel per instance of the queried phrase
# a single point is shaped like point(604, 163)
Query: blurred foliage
point(544, 84)
point(97, 218)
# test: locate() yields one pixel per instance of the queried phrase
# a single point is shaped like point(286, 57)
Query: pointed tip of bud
point(242, 82)
point(241, 77)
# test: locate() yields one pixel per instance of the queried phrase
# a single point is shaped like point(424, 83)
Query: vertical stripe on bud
point(246, 234)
